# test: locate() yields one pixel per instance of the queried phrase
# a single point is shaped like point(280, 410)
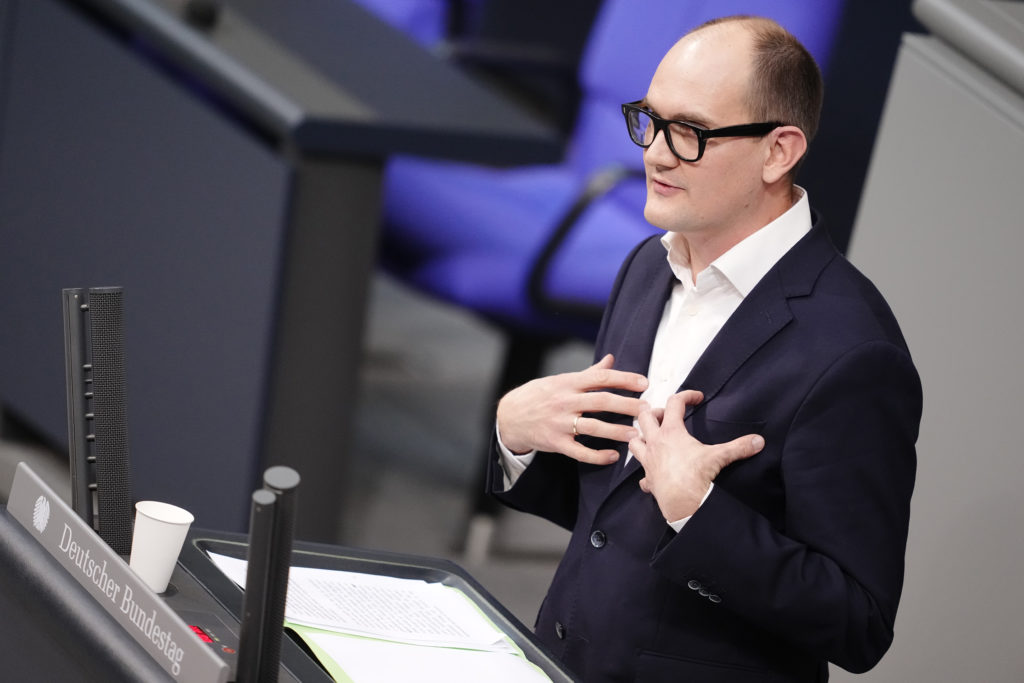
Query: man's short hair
point(786, 83)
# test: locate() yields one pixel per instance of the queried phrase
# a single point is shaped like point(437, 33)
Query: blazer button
point(714, 598)
point(560, 630)
point(694, 585)
point(598, 539)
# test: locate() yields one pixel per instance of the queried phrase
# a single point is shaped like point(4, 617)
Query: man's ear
point(786, 148)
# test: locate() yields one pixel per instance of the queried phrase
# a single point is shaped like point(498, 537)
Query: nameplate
point(111, 582)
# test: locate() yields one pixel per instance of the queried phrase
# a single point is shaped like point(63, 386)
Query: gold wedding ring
point(574, 421)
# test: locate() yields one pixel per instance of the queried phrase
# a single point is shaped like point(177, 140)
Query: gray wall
point(940, 232)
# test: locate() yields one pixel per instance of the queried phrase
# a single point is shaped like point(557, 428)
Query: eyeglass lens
point(682, 139)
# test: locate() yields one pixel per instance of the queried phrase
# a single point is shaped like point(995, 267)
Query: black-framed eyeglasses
point(686, 140)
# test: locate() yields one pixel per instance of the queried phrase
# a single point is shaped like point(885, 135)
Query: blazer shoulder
point(852, 301)
point(822, 284)
point(641, 266)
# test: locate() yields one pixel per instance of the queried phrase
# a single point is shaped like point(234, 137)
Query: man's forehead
point(728, 44)
point(704, 70)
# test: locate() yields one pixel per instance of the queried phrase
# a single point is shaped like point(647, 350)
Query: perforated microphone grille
point(110, 424)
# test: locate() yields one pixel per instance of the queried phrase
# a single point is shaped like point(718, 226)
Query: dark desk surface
point(333, 79)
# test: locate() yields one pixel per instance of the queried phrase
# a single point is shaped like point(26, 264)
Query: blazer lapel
point(759, 318)
point(763, 313)
point(634, 352)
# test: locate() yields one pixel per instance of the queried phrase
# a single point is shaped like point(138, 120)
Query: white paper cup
point(160, 530)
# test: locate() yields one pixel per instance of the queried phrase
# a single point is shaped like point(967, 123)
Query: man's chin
point(663, 218)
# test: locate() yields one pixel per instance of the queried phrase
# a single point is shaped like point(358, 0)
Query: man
point(737, 467)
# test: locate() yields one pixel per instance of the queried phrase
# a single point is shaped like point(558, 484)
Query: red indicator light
point(201, 633)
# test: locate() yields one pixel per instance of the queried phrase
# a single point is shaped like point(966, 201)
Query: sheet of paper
point(376, 661)
point(406, 610)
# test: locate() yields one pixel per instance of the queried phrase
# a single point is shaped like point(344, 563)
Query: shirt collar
point(748, 261)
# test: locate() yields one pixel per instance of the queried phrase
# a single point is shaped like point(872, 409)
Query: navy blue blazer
point(796, 558)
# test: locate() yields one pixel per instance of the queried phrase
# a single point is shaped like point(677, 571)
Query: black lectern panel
point(50, 627)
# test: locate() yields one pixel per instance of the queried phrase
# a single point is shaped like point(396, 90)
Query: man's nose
point(659, 152)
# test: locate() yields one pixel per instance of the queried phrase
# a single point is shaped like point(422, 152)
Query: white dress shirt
point(698, 307)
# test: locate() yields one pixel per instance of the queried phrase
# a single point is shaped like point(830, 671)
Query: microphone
point(271, 532)
point(97, 417)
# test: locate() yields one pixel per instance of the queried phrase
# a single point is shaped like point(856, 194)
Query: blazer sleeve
point(830, 580)
point(548, 488)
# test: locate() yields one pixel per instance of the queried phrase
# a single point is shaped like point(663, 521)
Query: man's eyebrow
point(690, 117)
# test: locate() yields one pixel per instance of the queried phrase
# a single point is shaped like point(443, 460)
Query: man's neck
point(706, 246)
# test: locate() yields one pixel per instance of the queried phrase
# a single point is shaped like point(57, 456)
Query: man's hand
point(678, 468)
point(545, 414)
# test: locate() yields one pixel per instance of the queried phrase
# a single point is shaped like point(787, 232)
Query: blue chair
point(534, 250)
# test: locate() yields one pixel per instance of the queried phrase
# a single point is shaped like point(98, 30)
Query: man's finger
point(601, 375)
point(738, 449)
point(647, 421)
point(678, 403)
point(606, 402)
point(606, 378)
point(638, 448)
point(589, 455)
point(606, 430)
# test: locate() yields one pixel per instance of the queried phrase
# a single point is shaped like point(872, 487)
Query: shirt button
point(598, 539)
point(559, 630)
point(692, 310)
